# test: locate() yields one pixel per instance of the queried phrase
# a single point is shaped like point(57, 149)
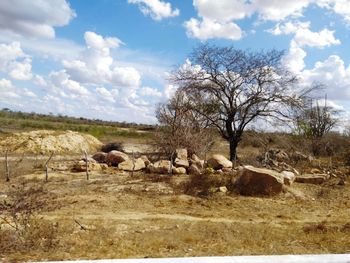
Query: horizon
point(110, 60)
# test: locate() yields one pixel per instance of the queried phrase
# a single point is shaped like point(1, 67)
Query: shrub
point(112, 146)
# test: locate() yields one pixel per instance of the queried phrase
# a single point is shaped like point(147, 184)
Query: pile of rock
point(182, 163)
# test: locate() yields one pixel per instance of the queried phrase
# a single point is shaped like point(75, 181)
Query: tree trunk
point(233, 149)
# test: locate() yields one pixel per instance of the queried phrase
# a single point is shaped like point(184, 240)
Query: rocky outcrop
point(129, 165)
point(218, 161)
point(114, 158)
point(259, 181)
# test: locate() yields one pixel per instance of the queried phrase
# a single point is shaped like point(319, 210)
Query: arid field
point(117, 215)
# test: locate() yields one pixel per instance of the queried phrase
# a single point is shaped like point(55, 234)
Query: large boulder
point(311, 178)
point(100, 157)
point(259, 181)
point(181, 158)
point(181, 154)
point(114, 158)
point(160, 167)
point(181, 163)
point(218, 161)
point(130, 166)
point(145, 160)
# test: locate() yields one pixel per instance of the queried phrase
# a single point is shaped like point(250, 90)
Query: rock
point(179, 170)
point(311, 178)
point(198, 162)
point(223, 189)
point(128, 165)
point(259, 181)
point(181, 163)
point(145, 160)
point(115, 157)
point(81, 166)
point(218, 161)
point(289, 177)
point(181, 154)
point(281, 156)
point(298, 156)
point(160, 167)
point(100, 157)
point(193, 169)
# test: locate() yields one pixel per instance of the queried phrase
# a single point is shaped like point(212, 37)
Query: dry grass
point(150, 216)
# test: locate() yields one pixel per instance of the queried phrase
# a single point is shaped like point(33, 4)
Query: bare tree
point(230, 88)
point(181, 127)
point(315, 120)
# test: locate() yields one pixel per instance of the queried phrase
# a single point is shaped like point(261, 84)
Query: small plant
point(21, 229)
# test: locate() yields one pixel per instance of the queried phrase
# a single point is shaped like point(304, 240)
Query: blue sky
point(110, 59)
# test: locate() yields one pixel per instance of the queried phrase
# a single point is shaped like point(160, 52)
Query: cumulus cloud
point(61, 80)
point(333, 73)
point(96, 66)
point(208, 29)
point(217, 19)
point(303, 36)
point(294, 60)
point(35, 18)
point(224, 10)
point(8, 91)
point(150, 92)
point(156, 9)
point(15, 62)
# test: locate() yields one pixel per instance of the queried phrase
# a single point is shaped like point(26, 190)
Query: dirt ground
point(116, 215)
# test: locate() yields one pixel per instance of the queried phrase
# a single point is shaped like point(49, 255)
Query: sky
point(111, 59)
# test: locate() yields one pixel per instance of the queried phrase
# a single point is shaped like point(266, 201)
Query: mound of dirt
point(43, 141)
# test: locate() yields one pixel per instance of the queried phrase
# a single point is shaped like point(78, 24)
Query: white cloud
point(96, 66)
point(150, 92)
point(61, 80)
point(333, 74)
point(34, 18)
point(156, 9)
point(169, 91)
point(303, 36)
point(106, 94)
point(9, 92)
point(208, 29)
point(15, 62)
point(294, 60)
point(278, 10)
point(223, 10)
point(21, 70)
